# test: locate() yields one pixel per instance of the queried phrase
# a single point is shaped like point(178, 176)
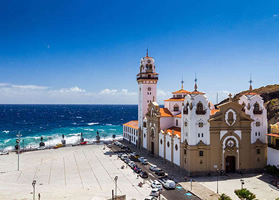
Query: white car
point(150, 198)
point(5, 152)
point(41, 148)
point(140, 159)
point(157, 185)
point(152, 167)
point(155, 192)
point(131, 163)
point(109, 145)
point(144, 161)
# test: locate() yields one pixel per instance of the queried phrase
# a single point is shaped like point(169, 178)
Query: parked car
point(153, 167)
point(109, 145)
point(133, 154)
point(58, 146)
point(137, 170)
point(120, 154)
point(131, 163)
point(150, 198)
point(123, 147)
point(127, 160)
point(124, 156)
point(5, 152)
point(167, 183)
point(159, 172)
point(144, 174)
point(155, 192)
point(140, 158)
point(144, 162)
point(137, 156)
point(41, 148)
point(156, 184)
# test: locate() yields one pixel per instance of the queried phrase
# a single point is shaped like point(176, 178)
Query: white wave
point(112, 129)
point(5, 131)
point(102, 130)
point(88, 129)
point(109, 124)
point(92, 123)
point(78, 117)
point(74, 123)
point(8, 140)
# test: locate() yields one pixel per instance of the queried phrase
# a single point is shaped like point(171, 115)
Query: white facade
point(195, 127)
point(130, 134)
point(259, 125)
point(273, 157)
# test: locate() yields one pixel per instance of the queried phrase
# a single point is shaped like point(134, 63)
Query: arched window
point(149, 88)
point(200, 110)
point(168, 144)
point(257, 109)
point(230, 117)
point(175, 107)
point(176, 147)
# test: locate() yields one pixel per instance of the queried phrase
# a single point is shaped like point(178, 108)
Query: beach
point(79, 172)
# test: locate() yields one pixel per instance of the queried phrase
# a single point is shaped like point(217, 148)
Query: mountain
point(270, 95)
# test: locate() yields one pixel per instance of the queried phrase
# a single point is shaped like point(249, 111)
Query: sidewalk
point(198, 189)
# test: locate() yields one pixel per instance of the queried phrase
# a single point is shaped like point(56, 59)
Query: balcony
point(257, 112)
point(200, 112)
point(144, 76)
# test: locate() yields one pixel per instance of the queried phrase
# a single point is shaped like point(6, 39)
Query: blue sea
point(53, 121)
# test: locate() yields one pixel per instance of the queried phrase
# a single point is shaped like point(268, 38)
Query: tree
point(224, 197)
point(245, 194)
point(113, 136)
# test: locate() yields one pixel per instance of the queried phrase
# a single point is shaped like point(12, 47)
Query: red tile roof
point(177, 130)
point(174, 99)
point(178, 115)
point(165, 112)
point(132, 124)
point(273, 134)
point(213, 111)
point(181, 91)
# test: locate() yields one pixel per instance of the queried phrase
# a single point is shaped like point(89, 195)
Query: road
point(179, 193)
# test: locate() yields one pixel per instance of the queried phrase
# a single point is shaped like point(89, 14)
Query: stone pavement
point(198, 189)
point(81, 172)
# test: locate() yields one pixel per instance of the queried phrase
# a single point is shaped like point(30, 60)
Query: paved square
point(257, 184)
point(81, 172)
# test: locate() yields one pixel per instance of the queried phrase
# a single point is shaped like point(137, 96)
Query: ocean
point(53, 121)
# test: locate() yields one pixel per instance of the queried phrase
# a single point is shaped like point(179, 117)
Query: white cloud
point(124, 92)
point(108, 91)
point(275, 15)
point(4, 84)
point(71, 90)
point(30, 87)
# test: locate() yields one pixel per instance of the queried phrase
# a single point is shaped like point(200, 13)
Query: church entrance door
point(152, 147)
point(230, 164)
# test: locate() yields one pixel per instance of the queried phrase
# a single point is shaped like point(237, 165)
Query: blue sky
point(90, 51)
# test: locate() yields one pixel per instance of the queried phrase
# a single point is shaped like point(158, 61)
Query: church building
point(193, 134)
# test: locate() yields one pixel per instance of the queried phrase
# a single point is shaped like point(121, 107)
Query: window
point(168, 144)
point(201, 153)
point(257, 109)
point(161, 141)
point(185, 152)
point(200, 124)
point(144, 135)
point(144, 124)
point(185, 123)
point(200, 110)
point(202, 134)
point(177, 122)
point(198, 135)
point(258, 151)
point(255, 133)
point(149, 88)
point(258, 123)
point(176, 147)
point(259, 133)
point(175, 108)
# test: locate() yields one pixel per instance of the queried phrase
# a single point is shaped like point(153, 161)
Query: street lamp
point(242, 183)
point(217, 170)
point(18, 149)
point(33, 184)
point(115, 179)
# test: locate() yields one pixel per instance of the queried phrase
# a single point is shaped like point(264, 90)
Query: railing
point(147, 77)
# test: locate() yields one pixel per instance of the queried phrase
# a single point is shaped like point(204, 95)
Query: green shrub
point(272, 170)
point(224, 197)
point(245, 194)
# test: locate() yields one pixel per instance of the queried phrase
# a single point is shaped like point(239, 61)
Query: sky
point(88, 52)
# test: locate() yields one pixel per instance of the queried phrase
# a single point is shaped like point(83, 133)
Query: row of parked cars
point(157, 185)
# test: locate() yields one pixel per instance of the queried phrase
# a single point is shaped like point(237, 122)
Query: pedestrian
point(185, 178)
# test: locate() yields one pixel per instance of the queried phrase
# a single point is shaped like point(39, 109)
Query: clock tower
point(147, 81)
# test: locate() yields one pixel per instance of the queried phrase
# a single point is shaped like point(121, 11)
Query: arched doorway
point(152, 147)
point(230, 164)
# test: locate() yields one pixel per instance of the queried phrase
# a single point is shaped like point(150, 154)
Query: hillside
point(270, 94)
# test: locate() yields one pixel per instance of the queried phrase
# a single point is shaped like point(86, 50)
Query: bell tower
point(147, 81)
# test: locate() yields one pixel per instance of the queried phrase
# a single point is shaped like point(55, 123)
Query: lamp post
point(242, 183)
point(23, 145)
point(115, 179)
point(18, 149)
point(33, 184)
point(217, 170)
